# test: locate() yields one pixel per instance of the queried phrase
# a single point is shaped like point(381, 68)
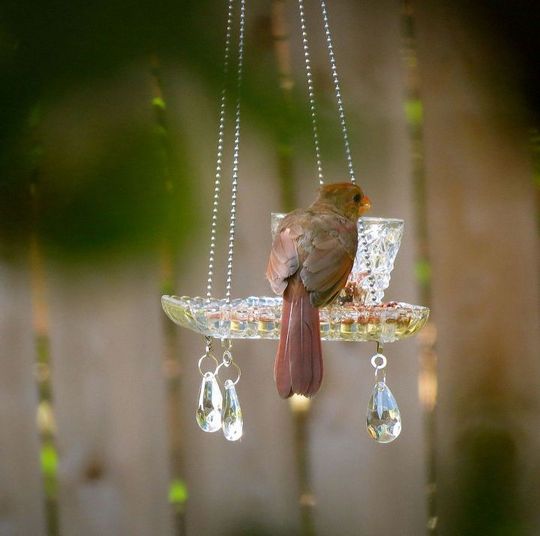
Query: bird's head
point(346, 198)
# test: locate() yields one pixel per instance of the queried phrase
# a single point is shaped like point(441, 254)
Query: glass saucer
point(259, 317)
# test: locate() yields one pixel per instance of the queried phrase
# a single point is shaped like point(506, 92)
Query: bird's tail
point(298, 367)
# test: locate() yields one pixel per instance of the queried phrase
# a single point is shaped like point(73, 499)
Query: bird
point(312, 255)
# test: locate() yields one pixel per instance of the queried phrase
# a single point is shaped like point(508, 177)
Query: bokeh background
point(107, 152)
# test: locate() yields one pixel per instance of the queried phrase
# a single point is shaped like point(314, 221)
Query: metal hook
point(227, 358)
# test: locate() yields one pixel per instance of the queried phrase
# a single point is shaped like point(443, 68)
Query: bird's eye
point(357, 198)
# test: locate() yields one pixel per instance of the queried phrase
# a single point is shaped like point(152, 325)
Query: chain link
point(209, 345)
point(219, 156)
point(311, 92)
point(236, 147)
point(337, 91)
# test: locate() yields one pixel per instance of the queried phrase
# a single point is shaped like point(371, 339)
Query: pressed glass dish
point(259, 318)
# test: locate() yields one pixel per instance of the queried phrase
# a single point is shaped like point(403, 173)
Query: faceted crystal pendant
point(210, 404)
point(233, 423)
point(383, 418)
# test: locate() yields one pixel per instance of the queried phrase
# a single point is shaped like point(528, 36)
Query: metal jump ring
point(382, 364)
point(235, 365)
point(202, 359)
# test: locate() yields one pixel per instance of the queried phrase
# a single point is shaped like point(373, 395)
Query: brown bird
point(311, 258)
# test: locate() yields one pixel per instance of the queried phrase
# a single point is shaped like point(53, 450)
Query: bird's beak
point(365, 204)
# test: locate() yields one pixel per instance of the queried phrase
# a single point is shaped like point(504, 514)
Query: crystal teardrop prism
point(210, 404)
point(233, 423)
point(383, 418)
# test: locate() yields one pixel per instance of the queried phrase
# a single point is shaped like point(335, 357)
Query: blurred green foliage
point(119, 199)
point(137, 189)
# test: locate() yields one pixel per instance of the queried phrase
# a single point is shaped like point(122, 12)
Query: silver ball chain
point(341, 112)
point(227, 359)
point(219, 156)
point(234, 191)
point(337, 91)
point(311, 92)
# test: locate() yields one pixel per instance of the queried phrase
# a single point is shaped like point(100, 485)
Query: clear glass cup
point(383, 238)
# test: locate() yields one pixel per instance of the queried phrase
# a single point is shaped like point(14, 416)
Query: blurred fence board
point(485, 287)
point(21, 489)
point(109, 399)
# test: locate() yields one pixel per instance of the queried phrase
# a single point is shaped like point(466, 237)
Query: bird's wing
point(329, 258)
point(283, 261)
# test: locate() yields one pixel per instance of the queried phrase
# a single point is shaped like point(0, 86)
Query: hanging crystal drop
point(210, 404)
point(383, 418)
point(233, 423)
